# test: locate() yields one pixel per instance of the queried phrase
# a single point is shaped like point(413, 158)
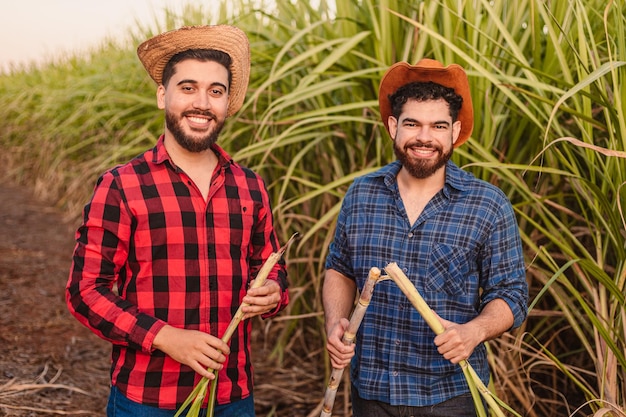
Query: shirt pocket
point(240, 221)
point(449, 271)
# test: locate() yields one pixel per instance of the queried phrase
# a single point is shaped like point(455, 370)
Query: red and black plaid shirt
point(174, 258)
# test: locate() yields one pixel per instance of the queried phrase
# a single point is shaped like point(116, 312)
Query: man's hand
point(340, 354)
point(457, 342)
point(199, 350)
point(261, 300)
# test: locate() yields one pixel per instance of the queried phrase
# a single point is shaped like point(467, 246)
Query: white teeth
point(198, 119)
point(423, 151)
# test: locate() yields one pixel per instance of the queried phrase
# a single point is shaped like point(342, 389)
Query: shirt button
point(410, 234)
point(397, 342)
point(405, 269)
point(395, 373)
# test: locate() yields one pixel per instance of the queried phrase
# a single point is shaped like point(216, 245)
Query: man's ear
point(160, 94)
point(392, 124)
point(456, 131)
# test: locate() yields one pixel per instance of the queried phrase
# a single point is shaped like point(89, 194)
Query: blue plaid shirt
point(463, 251)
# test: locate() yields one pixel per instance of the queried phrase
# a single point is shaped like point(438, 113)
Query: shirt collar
point(160, 155)
point(456, 177)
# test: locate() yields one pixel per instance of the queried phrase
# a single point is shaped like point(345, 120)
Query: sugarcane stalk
point(196, 398)
point(477, 388)
point(348, 338)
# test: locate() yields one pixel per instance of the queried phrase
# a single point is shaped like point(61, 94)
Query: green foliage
point(549, 93)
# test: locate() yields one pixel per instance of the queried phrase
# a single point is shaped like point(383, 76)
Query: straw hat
point(452, 76)
point(156, 52)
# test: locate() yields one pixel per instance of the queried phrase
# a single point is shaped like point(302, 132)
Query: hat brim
point(156, 52)
point(452, 76)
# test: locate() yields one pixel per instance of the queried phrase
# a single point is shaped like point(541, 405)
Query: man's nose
point(202, 101)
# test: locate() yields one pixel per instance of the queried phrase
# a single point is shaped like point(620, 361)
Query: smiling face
point(423, 136)
point(195, 101)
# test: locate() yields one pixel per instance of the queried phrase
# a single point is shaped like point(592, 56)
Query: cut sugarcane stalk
point(348, 338)
point(196, 398)
point(477, 388)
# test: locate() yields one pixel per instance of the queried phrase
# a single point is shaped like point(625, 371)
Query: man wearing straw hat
point(453, 235)
point(180, 231)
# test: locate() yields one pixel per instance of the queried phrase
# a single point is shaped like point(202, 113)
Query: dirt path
point(46, 356)
point(51, 365)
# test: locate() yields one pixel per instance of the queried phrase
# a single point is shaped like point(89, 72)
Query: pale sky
point(36, 30)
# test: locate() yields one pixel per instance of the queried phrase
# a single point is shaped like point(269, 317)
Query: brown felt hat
point(156, 52)
point(452, 76)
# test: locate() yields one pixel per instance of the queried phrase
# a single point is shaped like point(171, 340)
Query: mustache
point(204, 113)
point(421, 144)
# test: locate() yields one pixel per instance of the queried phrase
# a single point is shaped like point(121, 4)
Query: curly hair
point(423, 91)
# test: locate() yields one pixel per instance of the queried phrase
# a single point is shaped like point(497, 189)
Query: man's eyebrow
point(187, 81)
point(217, 84)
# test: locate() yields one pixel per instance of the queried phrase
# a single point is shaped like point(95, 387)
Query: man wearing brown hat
point(171, 240)
point(454, 236)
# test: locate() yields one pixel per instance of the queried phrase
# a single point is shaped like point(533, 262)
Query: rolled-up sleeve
point(504, 271)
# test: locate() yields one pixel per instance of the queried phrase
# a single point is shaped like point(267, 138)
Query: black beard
point(421, 168)
point(191, 144)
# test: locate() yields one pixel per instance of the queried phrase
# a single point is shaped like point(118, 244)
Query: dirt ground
point(49, 363)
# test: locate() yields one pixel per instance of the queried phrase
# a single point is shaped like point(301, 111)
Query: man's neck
point(417, 192)
point(199, 166)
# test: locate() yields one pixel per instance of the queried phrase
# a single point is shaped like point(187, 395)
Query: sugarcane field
point(304, 118)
